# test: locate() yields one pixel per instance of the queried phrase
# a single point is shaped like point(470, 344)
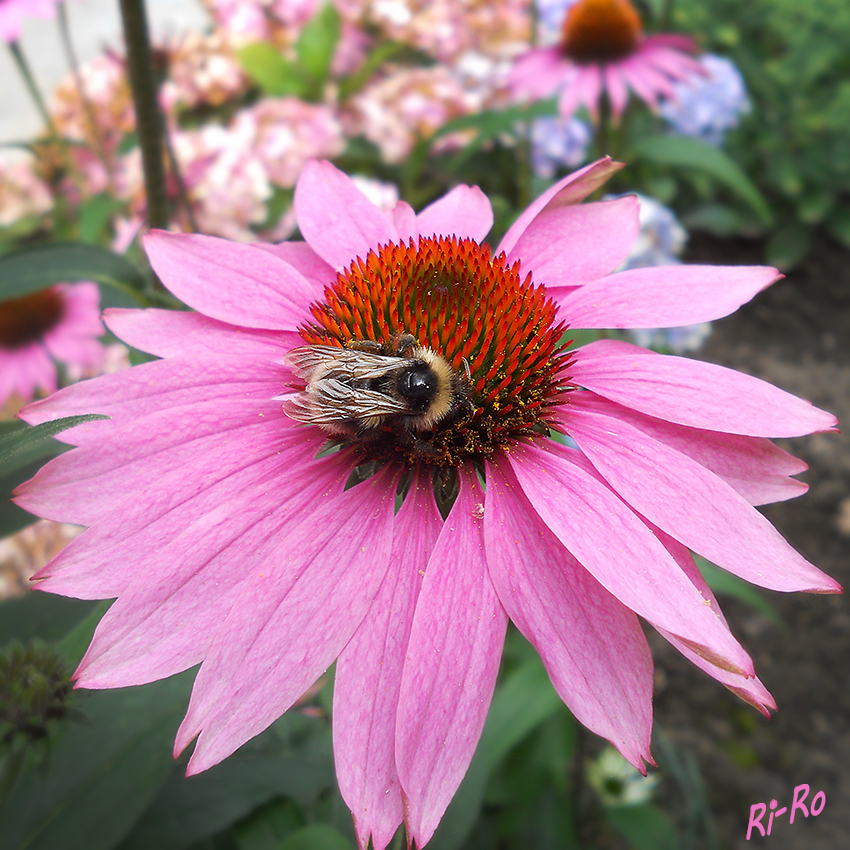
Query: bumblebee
point(369, 388)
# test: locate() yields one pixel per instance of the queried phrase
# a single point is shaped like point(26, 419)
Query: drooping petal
point(229, 281)
point(629, 561)
point(569, 190)
point(465, 212)
point(128, 395)
point(753, 466)
point(690, 392)
point(664, 296)
point(537, 74)
point(617, 90)
point(172, 333)
point(292, 619)
point(450, 673)
point(571, 245)
point(338, 221)
point(368, 676)
point(691, 504)
point(592, 645)
point(168, 613)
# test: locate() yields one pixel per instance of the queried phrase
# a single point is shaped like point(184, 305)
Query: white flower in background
point(558, 142)
point(706, 107)
point(660, 242)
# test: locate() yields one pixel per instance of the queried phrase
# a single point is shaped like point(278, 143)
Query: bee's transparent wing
point(317, 361)
point(330, 401)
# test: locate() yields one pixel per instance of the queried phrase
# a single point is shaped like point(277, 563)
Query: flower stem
point(148, 116)
point(29, 79)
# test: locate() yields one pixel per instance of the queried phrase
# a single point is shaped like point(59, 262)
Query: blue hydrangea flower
point(706, 107)
point(557, 142)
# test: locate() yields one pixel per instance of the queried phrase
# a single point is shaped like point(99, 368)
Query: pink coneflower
point(603, 49)
point(13, 12)
point(58, 324)
point(234, 538)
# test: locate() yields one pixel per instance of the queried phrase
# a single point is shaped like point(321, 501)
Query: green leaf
point(41, 615)
point(839, 224)
point(645, 827)
point(717, 219)
point(317, 42)
point(274, 73)
point(102, 774)
point(788, 245)
point(31, 269)
point(93, 216)
point(316, 837)
point(30, 442)
point(490, 123)
point(726, 584)
point(687, 152)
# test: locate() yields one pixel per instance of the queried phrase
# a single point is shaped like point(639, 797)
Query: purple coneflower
point(60, 324)
point(603, 50)
point(234, 537)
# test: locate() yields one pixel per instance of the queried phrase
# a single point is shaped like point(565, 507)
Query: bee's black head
point(418, 385)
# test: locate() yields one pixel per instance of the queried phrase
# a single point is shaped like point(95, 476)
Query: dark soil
point(796, 336)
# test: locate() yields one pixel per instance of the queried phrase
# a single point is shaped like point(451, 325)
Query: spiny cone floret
point(469, 307)
point(601, 30)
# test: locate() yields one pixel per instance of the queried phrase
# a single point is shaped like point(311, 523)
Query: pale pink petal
point(292, 619)
point(29, 369)
point(229, 281)
point(173, 333)
point(537, 74)
point(368, 676)
point(663, 296)
point(671, 61)
point(690, 392)
point(584, 89)
point(691, 504)
point(465, 212)
point(166, 618)
point(569, 190)
point(570, 245)
point(338, 221)
point(302, 257)
point(646, 81)
point(450, 673)
point(618, 92)
point(753, 466)
point(404, 218)
point(132, 393)
point(629, 562)
point(592, 645)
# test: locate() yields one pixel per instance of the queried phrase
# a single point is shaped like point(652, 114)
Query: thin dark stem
point(148, 116)
point(603, 126)
point(73, 62)
point(29, 79)
point(666, 14)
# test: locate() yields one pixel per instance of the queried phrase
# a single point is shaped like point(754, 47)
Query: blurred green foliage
point(795, 143)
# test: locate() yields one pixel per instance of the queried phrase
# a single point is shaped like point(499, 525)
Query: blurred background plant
point(750, 137)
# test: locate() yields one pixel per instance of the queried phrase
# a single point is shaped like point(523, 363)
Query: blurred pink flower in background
point(13, 12)
point(56, 325)
point(231, 541)
point(23, 194)
point(603, 52)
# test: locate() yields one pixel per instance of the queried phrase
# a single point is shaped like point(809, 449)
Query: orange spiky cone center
point(25, 320)
point(601, 30)
point(474, 310)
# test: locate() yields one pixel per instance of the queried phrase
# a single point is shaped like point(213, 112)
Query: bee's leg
point(403, 343)
point(367, 345)
point(466, 369)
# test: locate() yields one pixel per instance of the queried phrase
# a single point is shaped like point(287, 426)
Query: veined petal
point(172, 333)
point(302, 257)
point(368, 676)
point(338, 221)
point(464, 212)
point(450, 673)
point(292, 619)
point(229, 281)
point(591, 644)
point(690, 392)
point(128, 395)
point(617, 548)
point(692, 504)
point(574, 244)
point(753, 466)
point(569, 190)
point(664, 296)
point(167, 614)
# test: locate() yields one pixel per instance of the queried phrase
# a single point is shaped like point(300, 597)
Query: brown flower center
point(27, 319)
point(497, 332)
point(601, 30)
